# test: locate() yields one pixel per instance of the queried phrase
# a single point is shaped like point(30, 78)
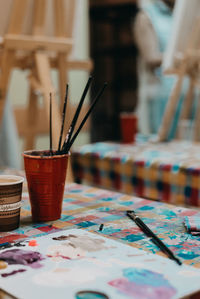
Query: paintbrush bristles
point(63, 117)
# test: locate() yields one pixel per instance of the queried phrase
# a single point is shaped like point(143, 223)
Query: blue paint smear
point(75, 191)
point(103, 209)
point(133, 238)
point(107, 199)
point(27, 208)
point(127, 203)
point(86, 224)
point(68, 199)
point(187, 255)
point(169, 213)
point(111, 218)
point(89, 194)
point(110, 230)
point(146, 208)
point(148, 220)
point(66, 218)
point(141, 276)
point(21, 231)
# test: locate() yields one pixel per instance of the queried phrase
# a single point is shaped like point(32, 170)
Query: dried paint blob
point(62, 237)
point(90, 295)
point(3, 265)
point(33, 243)
point(68, 276)
point(86, 243)
point(142, 284)
point(22, 257)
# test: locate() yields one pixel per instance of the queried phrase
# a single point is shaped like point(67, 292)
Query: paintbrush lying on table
point(154, 238)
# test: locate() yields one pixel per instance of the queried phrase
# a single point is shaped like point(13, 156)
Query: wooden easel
point(190, 66)
point(36, 56)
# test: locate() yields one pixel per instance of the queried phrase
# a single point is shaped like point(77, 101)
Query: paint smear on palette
point(75, 247)
point(65, 251)
point(84, 242)
point(3, 265)
point(12, 273)
point(142, 284)
point(73, 276)
point(22, 257)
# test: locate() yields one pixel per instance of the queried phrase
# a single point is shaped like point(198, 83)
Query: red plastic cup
point(46, 177)
point(128, 126)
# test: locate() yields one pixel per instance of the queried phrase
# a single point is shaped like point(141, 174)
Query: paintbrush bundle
point(70, 137)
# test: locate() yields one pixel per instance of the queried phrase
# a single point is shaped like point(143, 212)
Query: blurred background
point(133, 45)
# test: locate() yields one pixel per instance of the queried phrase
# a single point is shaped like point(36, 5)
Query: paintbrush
point(76, 115)
point(63, 118)
point(154, 238)
point(50, 125)
point(67, 146)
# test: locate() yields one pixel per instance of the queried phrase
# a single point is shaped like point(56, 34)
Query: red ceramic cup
point(46, 177)
point(128, 126)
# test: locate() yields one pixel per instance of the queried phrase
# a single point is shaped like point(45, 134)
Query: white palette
point(87, 261)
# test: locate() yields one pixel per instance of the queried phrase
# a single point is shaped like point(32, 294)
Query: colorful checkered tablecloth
point(168, 172)
point(87, 208)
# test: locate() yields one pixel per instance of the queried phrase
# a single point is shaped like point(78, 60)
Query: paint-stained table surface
point(88, 207)
point(168, 171)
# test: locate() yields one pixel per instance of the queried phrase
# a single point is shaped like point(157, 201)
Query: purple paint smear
point(13, 272)
point(142, 284)
point(22, 257)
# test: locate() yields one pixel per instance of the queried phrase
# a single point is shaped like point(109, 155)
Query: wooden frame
point(188, 65)
point(33, 51)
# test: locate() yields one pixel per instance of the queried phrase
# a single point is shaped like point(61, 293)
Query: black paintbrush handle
point(76, 115)
point(63, 118)
point(68, 146)
point(151, 234)
point(50, 125)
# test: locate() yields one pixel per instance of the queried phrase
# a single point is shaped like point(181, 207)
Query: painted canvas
point(79, 264)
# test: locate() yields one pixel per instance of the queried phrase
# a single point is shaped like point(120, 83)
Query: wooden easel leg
point(31, 121)
point(196, 136)
point(7, 63)
point(188, 101)
point(170, 109)
point(44, 77)
point(60, 31)
point(63, 77)
point(187, 107)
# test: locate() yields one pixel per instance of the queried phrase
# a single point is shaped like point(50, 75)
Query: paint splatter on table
point(88, 207)
point(168, 171)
